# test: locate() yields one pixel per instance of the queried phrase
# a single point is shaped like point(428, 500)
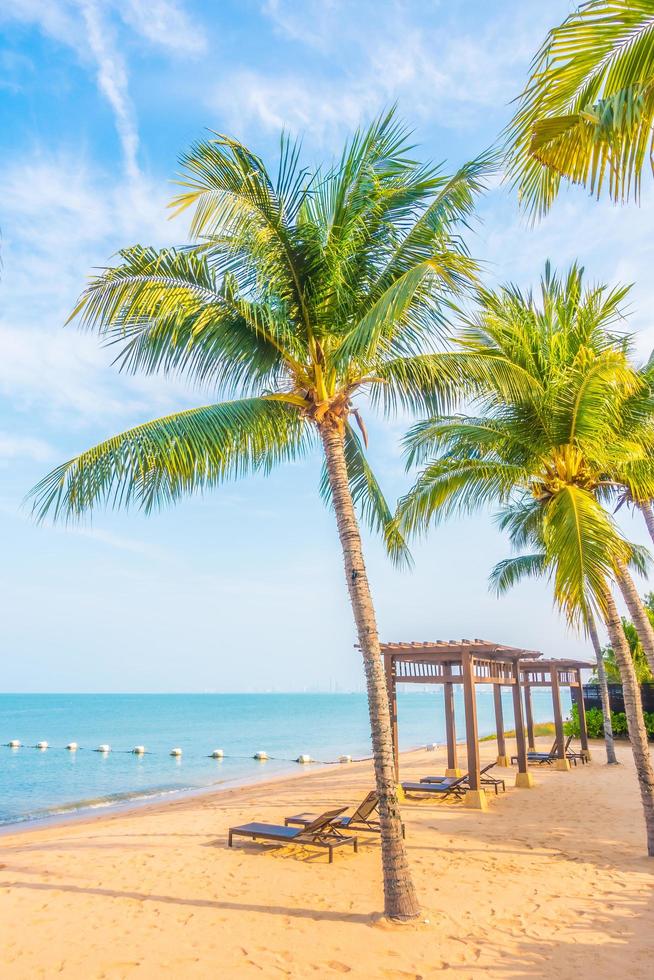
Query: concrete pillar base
point(502, 760)
point(586, 754)
point(562, 765)
point(524, 780)
point(401, 795)
point(453, 773)
point(475, 799)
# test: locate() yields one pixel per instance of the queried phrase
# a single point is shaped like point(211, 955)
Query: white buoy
point(139, 750)
point(41, 745)
point(217, 754)
point(104, 749)
point(261, 756)
point(72, 746)
point(304, 758)
point(15, 743)
point(345, 758)
point(176, 752)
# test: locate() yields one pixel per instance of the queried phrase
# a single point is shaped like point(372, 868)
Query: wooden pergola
point(465, 662)
point(555, 674)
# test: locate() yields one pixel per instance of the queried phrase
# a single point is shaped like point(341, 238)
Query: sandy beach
point(551, 882)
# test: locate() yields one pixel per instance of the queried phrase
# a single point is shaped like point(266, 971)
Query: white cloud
point(62, 218)
point(14, 447)
point(163, 23)
point(90, 28)
point(113, 82)
point(447, 70)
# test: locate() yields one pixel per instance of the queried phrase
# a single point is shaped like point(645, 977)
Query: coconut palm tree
point(586, 114)
point(551, 383)
point(302, 294)
point(527, 362)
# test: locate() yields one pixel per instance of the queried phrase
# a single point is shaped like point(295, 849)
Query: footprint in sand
point(339, 967)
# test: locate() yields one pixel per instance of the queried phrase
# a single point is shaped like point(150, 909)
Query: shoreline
point(91, 813)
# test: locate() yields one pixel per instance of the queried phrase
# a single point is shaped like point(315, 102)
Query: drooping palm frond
point(453, 487)
point(155, 463)
point(167, 311)
point(585, 546)
point(587, 112)
point(508, 573)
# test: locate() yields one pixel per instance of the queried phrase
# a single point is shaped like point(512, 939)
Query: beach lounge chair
point(361, 819)
point(446, 787)
point(547, 758)
point(321, 832)
point(486, 780)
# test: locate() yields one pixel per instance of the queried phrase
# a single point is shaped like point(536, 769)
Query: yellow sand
point(551, 882)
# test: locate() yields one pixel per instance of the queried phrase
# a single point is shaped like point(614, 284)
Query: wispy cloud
point(92, 29)
point(112, 82)
point(13, 447)
point(61, 218)
point(364, 58)
point(165, 24)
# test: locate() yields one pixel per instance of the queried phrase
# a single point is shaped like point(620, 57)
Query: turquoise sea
point(42, 783)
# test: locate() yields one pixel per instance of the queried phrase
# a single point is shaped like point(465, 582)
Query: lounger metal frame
point(321, 833)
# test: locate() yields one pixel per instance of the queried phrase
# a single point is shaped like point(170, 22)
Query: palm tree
point(586, 114)
point(514, 350)
point(302, 294)
point(551, 384)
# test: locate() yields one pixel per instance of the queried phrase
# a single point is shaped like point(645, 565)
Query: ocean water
point(35, 784)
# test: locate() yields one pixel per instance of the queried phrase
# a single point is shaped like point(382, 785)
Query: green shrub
point(595, 723)
point(619, 723)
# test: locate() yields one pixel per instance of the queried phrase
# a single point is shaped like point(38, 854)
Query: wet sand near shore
point(550, 882)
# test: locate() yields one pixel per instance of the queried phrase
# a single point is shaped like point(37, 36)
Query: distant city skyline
point(243, 588)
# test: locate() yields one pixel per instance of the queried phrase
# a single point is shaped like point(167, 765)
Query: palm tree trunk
point(611, 758)
point(400, 901)
point(634, 711)
point(637, 612)
point(647, 512)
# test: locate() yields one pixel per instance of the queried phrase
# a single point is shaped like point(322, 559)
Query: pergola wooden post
point(583, 728)
point(557, 673)
point(392, 704)
point(502, 757)
point(561, 758)
point(475, 797)
point(450, 732)
point(530, 718)
point(465, 662)
point(523, 779)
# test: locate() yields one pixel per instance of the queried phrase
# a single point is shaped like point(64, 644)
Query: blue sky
point(243, 589)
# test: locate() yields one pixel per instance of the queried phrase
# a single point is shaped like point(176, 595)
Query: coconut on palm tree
point(551, 383)
point(586, 114)
point(302, 295)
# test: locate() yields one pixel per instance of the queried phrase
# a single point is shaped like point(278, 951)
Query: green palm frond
point(156, 463)
point(587, 112)
point(167, 311)
point(509, 572)
point(585, 546)
point(452, 487)
point(368, 497)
